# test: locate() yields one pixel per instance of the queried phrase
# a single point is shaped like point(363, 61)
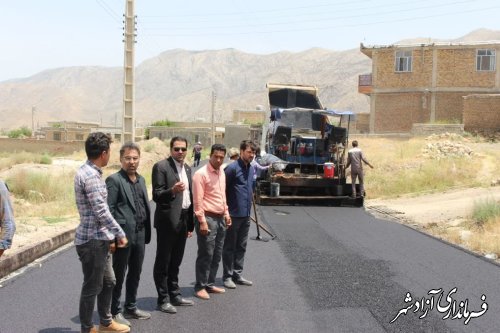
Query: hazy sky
point(44, 34)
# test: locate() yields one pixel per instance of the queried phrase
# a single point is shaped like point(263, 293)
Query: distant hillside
point(177, 84)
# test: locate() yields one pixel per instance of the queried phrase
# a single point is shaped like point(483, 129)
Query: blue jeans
point(209, 252)
point(98, 282)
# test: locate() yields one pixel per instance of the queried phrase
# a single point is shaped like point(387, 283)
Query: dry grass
point(7, 160)
point(401, 168)
point(479, 233)
point(41, 194)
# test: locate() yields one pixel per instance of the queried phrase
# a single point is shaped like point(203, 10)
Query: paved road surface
point(330, 270)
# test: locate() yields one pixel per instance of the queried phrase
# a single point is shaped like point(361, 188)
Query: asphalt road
point(332, 269)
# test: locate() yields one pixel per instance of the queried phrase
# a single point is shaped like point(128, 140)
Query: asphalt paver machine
point(306, 146)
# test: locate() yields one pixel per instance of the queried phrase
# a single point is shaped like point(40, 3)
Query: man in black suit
point(129, 204)
point(173, 221)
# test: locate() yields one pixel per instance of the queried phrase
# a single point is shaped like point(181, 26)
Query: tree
point(19, 133)
point(165, 122)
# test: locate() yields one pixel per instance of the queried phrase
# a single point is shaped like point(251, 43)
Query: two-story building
point(432, 83)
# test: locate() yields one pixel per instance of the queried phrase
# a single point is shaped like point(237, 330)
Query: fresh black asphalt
point(331, 269)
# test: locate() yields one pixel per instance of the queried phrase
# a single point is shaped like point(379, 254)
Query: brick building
point(429, 83)
point(68, 130)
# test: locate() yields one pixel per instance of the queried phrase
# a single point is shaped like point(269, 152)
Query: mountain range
point(178, 85)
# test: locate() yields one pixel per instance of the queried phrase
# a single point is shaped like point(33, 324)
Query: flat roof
point(367, 49)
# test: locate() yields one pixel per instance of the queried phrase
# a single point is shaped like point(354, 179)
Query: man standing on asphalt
point(355, 159)
point(7, 224)
point(172, 192)
point(129, 204)
point(95, 237)
point(212, 217)
point(197, 148)
point(239, 193)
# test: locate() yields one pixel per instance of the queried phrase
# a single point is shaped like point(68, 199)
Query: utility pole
point(33, 109)
point(129, 34)
point(214, 98)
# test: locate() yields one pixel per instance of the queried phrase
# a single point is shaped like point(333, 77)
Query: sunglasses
point(179, 149)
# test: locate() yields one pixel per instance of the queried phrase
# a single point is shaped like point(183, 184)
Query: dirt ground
point(450, 207)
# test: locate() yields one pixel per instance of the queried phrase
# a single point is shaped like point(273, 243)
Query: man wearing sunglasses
point(173, 220)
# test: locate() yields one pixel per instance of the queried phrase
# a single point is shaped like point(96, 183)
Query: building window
point(403, 61)
point(79, 137)
point(57, 136)
point(485, 60)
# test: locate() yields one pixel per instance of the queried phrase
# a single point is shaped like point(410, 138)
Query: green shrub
point(19, 133)
point(485, 211)
point(45, 159)
point(165, 122)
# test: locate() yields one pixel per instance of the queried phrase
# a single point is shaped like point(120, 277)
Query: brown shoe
point(216, 290)
point(93, 330)
point(114, 327)
point(202, 293)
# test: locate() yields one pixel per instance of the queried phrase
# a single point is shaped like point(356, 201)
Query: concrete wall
point(39, 146)
point(249, 117)
point(204, 135)
point(428, 129)
point(61, 134)
point(235, 134)
point(482, 113)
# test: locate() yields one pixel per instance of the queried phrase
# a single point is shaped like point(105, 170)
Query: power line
point(280, 10)
point(109, 11)
point(353, 25)
point(295, 21)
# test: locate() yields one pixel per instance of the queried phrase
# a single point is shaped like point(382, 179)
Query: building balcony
point(365, 84)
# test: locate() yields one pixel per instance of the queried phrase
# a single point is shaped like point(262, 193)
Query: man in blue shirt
point(7, 225)
point(239, 194)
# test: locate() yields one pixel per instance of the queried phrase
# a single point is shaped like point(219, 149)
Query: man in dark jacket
point(239, 192)
point(172, 192)
point(129, 204)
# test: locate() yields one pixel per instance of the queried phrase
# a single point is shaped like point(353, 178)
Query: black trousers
point(130, 257)
point(197, 157)
point(169, 253)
